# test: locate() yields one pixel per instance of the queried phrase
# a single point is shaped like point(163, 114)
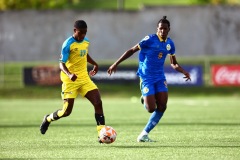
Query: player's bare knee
point(162, 108)
point(150, 109)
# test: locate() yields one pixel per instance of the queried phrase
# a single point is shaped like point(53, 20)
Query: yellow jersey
point(74, 55)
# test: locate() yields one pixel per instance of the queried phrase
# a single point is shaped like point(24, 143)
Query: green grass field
point(192, 128)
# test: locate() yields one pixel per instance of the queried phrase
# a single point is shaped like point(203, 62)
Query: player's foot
point(44, 125)
point(142, 100)
point(99, 140)
point(144, 138)
point(99, 127)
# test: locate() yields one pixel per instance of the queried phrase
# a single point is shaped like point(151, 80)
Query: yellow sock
point(50, 118)
point(99, 128)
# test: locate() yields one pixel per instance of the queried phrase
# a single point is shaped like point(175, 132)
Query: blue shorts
point(153, 88)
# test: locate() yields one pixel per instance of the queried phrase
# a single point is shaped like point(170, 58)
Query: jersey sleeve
point(144, 42)
point(65, 52)
point(172, 50)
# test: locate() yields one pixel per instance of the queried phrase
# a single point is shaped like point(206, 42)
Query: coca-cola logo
point(227, 75)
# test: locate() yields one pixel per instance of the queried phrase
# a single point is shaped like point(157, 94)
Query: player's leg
point(94, 97)
point(91, 92)
point(162, 96)
point(150, 105)
point(149, 102)
point(155, 117)
point(148, 96)
point(69, 93)
point(160, 99)
point(64, 112)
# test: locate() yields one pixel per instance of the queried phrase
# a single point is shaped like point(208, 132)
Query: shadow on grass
point(177, 146)
point(55, 124)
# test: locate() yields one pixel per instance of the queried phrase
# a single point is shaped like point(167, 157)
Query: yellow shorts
point(72, 89)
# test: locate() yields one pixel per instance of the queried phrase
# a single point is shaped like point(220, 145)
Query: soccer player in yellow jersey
point(75, 77)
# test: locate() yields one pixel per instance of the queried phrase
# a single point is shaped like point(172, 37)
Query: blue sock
point(153, 120)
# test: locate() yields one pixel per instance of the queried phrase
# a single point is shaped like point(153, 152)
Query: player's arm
point(178, 68)
point(125, 56)
point(65, 70)
point(63, 59)
point(95, 65)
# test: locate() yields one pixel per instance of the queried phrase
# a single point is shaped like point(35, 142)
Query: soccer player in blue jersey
point(75, 77)
point(154, 49)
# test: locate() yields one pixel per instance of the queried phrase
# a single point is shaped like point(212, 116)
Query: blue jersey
point(152, 55)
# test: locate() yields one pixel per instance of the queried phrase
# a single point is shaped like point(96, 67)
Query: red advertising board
point(225, 75)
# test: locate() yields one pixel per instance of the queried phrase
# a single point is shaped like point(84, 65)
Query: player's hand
point(112, 69)
point(92, 73)
point(94, 70)
point(73, 77)
point(187, 76)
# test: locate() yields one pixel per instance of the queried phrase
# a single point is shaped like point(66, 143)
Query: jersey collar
point(161, 40)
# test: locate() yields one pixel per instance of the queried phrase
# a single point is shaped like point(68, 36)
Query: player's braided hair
point(79, 24)
point(164, 20)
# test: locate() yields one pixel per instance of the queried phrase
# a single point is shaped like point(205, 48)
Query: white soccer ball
point(107, 135)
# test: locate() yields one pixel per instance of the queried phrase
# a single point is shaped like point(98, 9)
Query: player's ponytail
point(164, 20)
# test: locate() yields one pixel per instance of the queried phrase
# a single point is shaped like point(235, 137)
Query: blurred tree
point(220, 2)
point(57, 4)
point(120, 4)
point(32, 4)
point(98, 4)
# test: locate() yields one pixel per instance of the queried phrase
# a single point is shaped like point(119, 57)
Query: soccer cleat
point(99, 127)
point(44, 125)
point(144, 138)
point(99, 140)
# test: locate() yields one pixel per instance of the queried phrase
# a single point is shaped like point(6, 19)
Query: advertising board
point(49, 75)
point(225, 75)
